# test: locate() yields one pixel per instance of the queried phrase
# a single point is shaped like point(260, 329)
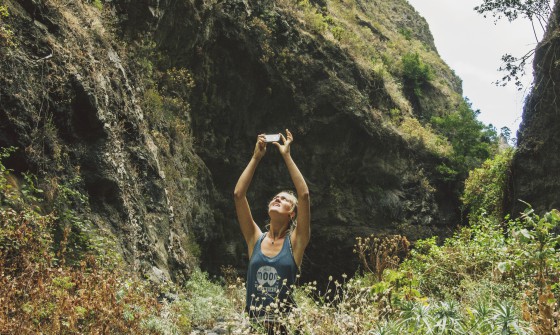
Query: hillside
point(151, 111)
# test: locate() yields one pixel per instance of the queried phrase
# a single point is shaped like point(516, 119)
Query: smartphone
point(272, 137)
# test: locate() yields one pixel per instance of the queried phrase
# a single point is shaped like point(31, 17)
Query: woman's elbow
point(304, 195)
point(237, 194)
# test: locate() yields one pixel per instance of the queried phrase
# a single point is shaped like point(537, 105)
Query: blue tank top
point(270, 279)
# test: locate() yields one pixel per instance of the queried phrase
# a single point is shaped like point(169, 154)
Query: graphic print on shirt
point(267, 279)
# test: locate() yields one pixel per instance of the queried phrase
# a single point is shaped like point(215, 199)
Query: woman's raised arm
point(249, 228)
point(302, 233)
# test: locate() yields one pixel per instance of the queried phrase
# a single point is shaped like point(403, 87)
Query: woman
point(275, 256)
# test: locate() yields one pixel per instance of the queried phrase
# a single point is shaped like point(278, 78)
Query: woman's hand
point(287, 141)
point(260, 147)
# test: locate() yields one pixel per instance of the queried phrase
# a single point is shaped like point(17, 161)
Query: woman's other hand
point(260, 147)
point(287, 141)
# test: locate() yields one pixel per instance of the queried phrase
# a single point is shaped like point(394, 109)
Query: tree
point(536, 11)
point(416, 73)
point(473, 142)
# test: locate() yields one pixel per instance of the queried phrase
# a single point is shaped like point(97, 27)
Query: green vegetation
point(415, 132)
point(416, 74)
point(486, 187)
point(97, 4)
point(472, 141)
point(6, 33)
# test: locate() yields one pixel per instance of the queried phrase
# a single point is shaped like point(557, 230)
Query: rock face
point(536, 167)
point(254, 76)
point(72, 109)
point(257, 68)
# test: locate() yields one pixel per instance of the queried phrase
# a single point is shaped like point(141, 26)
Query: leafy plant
point(97, 4)
point(486, 187)
point(206, 301)
point(472, 141)
point(6, 32)
point(378, 253)
point(416, 74)
point(415, 318)
point(536, 246)
point(506, 319)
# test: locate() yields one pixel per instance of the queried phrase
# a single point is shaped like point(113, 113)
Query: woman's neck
point(277, 229)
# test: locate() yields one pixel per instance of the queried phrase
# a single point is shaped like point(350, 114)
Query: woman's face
point(282, 203)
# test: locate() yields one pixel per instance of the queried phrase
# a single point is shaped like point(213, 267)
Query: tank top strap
point(289, 238)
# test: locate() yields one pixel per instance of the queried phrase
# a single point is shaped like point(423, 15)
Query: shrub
point(58, 298)
point(205, 302)
point(97, 4)
point(492, 262)
point(470, 256)
point(472, 141)
point(378, 253)
point(6, 33)
point(486, 187)
point(416, 74)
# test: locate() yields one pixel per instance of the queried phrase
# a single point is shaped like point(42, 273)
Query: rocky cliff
point(70, 104)
point(536, 168)
point(155, 106)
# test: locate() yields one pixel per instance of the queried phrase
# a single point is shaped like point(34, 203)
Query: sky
point(473, 46)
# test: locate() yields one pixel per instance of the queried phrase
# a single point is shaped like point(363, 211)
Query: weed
point(416, 74)
point(97, 4)
point(378, 253)
point(6, 32)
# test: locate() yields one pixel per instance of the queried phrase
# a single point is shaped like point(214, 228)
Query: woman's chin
point(274, 213)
